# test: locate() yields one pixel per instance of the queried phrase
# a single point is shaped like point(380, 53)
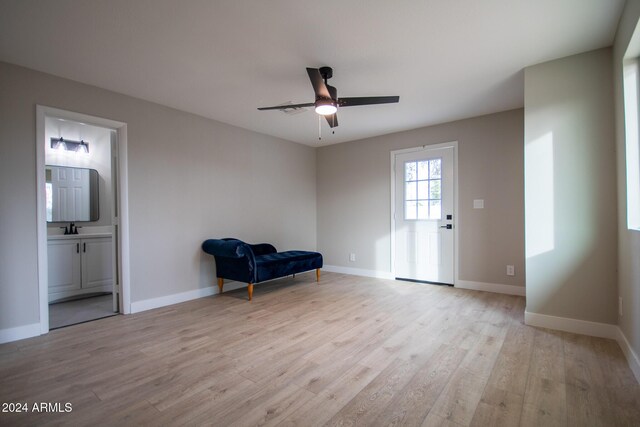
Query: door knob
point(448, 226)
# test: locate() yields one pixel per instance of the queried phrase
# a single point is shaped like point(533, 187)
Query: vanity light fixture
point(61, 144)
point(58, 144)
point(83, 148)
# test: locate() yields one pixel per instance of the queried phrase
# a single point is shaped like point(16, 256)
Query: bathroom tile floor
point(78, 311)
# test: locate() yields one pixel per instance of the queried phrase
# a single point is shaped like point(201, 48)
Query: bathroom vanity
point(80, 264)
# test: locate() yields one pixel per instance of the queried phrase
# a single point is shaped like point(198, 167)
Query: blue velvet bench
point(237, 260)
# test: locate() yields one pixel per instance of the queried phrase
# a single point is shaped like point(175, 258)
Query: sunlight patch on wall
point(539, 209)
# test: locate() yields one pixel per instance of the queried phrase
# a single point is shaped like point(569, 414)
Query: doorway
point(83, 256)
point(424, 214)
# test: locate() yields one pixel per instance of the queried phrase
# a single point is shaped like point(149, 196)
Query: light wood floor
point(349, 351)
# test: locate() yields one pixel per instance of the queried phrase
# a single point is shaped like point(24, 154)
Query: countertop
point(77, 236)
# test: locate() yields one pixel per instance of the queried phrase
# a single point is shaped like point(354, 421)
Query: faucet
point(71, 229)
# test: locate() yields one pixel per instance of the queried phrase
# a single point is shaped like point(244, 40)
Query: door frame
point(123, 203)
point(456, 223)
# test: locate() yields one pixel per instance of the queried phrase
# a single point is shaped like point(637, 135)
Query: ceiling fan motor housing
point(326, 72)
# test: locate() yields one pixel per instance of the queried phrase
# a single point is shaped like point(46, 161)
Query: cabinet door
point(97, 259)
point(64, 265)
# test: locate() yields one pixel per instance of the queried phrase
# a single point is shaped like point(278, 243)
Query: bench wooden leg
point(250, 290)
point(318, 275)
point(220, 283)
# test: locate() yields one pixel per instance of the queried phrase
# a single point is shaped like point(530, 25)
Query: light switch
point(478, 204)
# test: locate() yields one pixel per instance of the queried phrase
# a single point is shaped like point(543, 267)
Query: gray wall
point(569, 188)
point(628, 240)
point(190, 178)
point(354, 197)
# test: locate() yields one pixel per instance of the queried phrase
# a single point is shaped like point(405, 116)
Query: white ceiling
point(446, 59)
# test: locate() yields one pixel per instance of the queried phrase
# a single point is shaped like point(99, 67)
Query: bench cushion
point(281, 264)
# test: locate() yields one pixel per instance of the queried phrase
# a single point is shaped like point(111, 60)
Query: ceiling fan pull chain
point(319, 128)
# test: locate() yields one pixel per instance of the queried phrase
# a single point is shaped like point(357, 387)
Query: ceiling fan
point(327, 101)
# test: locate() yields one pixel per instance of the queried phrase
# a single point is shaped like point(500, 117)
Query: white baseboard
point(358, 272)
point(632, 357)
point(583, 327)
point(491, 287)
point(19, 333)
point(150, 304)
point(463, 284)
point(229, 285)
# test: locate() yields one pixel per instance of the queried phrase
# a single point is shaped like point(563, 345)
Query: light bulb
point(60, 145)
point(83, 148)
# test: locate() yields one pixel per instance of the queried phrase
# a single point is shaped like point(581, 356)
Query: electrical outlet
point(511, 270)
point(352, 257)
point(620, 306)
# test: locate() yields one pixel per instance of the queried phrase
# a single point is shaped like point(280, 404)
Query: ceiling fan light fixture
point(326, 107)
point(326, 101)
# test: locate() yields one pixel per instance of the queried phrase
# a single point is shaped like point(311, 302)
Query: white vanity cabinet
point(79, 265)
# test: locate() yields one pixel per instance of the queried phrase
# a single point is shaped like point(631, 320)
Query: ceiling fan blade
point(332, 119)
point(287, 106)
point(318, 83)
point(367, 100)
point(332, 91)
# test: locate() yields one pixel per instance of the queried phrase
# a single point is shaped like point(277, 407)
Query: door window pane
point(423, 189)
point(410, 210)
point(435, 209)
point(410, 171)
point(434, 168)
point(434, 189)
point(423, 209)
point(410, 191)
point(423, 170)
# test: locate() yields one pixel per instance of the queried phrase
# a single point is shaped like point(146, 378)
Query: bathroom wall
point(98, 158)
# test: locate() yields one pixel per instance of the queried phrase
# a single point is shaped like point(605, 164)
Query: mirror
point(72, 194)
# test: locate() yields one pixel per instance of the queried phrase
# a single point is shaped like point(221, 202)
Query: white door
point(424, 215)
point(70, 194)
